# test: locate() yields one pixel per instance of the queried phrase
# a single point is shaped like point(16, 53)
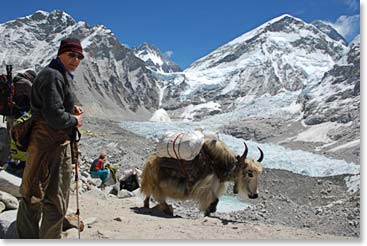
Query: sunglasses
point(75, 55)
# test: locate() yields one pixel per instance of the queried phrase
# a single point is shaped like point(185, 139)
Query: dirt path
point(108, 217)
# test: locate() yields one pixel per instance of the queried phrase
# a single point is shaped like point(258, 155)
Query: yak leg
point(235, 188)
point(212, 207)
point(146, 202)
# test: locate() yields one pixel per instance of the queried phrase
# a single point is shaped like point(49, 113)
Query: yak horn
point(261, 155)
point(244, 155)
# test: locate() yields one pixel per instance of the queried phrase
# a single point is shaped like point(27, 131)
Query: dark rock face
point(329, 30)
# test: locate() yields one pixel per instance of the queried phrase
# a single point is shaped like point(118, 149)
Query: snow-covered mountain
point(284, 71)
point(336, 97)
point(329, 30)
point(155, 60)
point(111, 82)
point(336, 100)
point(283, 55)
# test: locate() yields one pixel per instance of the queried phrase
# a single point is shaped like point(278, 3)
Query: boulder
point(2, 206)
point(10, 183)
point(8, 224)
point(10, 201)
point(71, 221)
point(125, 194)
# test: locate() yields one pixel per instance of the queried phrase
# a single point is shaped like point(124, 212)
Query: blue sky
point(187, 30)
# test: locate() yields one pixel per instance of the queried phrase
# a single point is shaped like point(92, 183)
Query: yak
point(203, 179)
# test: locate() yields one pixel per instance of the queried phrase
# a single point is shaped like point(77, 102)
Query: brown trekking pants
point(45, 185)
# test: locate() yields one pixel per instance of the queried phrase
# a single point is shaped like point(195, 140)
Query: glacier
point(276, 156)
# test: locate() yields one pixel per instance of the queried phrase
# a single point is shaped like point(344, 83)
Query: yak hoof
point(213, 206)
point(168, 212)
point(166, 209)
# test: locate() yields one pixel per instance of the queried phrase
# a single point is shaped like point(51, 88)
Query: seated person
point(98, 169)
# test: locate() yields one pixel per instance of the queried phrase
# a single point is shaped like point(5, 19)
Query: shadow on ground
point(153, 212)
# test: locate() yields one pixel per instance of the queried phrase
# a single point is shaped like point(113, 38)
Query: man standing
point(46, 180)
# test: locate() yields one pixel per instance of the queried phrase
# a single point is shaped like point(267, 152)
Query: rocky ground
point(287, 199)
point(106, 217)
point(290, 206)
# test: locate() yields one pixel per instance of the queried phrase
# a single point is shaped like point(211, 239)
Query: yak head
point(247, 174)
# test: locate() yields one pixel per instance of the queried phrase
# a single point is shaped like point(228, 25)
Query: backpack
point(7, 93)
point(21, 132)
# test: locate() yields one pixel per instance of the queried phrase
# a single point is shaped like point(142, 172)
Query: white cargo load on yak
point(180, 145)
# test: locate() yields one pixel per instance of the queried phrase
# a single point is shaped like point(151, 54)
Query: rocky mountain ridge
point(111, 82)
point(285, 54)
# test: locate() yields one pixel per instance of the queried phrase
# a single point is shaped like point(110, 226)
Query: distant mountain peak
point(285, 54)
point(41, 12)
point(277, 24)
point(61, 16)
point(155, 59)
point(55, 18)
point(283, 17)
point(148, 45)
point(55, 14)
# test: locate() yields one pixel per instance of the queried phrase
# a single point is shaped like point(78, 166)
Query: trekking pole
point(74, 156)
point(9, 78)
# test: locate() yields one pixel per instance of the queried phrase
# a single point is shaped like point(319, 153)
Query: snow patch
point(347, 145)
point(317, 133)
point(191, 110)
point(160, 115)
point(353, 183)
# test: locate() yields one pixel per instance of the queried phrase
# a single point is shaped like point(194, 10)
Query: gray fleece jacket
point(52, 98)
